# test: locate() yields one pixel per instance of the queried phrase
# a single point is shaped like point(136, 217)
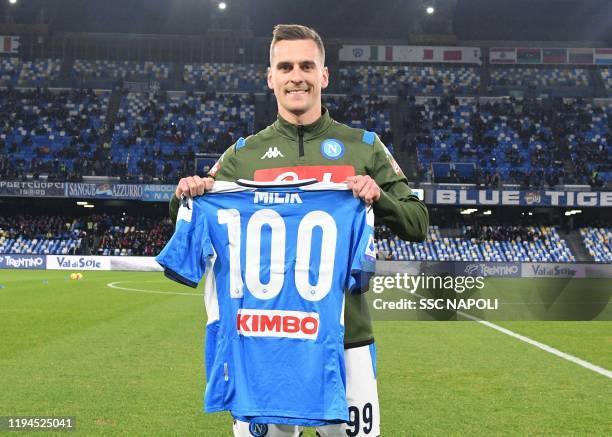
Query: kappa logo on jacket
point(272, 152)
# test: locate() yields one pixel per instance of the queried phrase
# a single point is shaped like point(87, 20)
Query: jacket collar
point(312, 130)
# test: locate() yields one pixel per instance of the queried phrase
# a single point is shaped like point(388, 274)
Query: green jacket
point(328, 150)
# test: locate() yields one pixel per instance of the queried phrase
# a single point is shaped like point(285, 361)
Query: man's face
point(297, 76)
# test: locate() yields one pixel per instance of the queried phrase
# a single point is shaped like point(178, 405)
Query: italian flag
point(381, 53)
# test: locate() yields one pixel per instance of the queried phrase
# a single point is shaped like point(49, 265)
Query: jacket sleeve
point(398, 207)
point(223, 170)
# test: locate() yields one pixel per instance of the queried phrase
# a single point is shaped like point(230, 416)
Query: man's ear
point(269, 77)
point(325, 80)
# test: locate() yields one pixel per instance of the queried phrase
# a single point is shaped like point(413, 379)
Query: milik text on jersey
point(270, 198)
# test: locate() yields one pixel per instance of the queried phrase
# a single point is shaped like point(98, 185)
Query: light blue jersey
point(278, 261)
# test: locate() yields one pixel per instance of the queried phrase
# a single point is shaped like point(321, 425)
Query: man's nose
point(296, 75)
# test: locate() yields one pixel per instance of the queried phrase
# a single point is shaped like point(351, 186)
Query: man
point(305, 142)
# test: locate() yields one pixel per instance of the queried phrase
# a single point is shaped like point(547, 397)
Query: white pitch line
point(544, 347)
point(549, 349)
point(139, 290)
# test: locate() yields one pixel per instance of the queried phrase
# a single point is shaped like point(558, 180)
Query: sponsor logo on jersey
point(271, 198)
point(332, 148)
point(272, 152)
point(258, 429)
point(322, 173)
point(370, 251)
point(277, 323)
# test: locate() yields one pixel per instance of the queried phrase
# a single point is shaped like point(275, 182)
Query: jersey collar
point(312, 130)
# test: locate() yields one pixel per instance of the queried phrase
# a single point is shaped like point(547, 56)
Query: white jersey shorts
point(361, 396)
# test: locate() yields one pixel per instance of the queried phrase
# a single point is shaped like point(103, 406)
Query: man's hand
point(364, 187)
point(193, 186)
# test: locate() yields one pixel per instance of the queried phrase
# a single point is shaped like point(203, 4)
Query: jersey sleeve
point(225, 168)
point(398, 207)
point(184, 256)
point(363, 261)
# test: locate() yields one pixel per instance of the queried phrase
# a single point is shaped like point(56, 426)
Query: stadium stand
point(95, 234)
point(220, 77)
point(121, 234)
point(9, 71)
point(371, 113)
point(54, 133)
point(87, 70)
point(539, 77)
point(598, 242)
point(129, 236)
point(526, 141)
point(31, 73)
point(521, 244)
point(531, 142)
point(606, 75)
point(394, 80)
point(39, 235)
point(516, 141)
point(39, 72)
point(158, 137)
point(590, 143)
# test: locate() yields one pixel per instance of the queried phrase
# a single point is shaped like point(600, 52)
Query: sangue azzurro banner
point(87, 190)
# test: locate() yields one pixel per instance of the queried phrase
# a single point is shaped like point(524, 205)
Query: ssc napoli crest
point(332, 149)
point(258, 429)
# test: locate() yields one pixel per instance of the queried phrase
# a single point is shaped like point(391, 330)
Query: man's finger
point(209, 182)
point(193, 186)
point(358, 185)
point(200, 185)
point(367, 186)
point(182, 188)
point(369, 192)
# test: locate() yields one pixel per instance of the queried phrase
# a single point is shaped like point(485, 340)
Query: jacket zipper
point(300, 130)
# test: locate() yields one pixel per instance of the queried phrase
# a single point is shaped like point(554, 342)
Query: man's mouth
point(296, 91)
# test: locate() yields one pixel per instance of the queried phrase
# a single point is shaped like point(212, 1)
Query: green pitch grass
point(127, 362)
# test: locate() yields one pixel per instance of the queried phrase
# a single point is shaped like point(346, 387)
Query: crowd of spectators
point(539, 77)
point(97, 234)
point(132, 236)
point(403, 80)
point(57, 133)
point(139, 235)
point(84, 69)
point(371, 113)
point(500, 233)
point(531, 142)
point(30, 227)
point(161, 135)
point(530, 244)
point(226, 77)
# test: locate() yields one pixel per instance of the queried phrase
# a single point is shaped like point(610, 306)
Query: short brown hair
point(292, 32)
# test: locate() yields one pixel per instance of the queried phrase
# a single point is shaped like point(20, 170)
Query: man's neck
point(302, 119)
